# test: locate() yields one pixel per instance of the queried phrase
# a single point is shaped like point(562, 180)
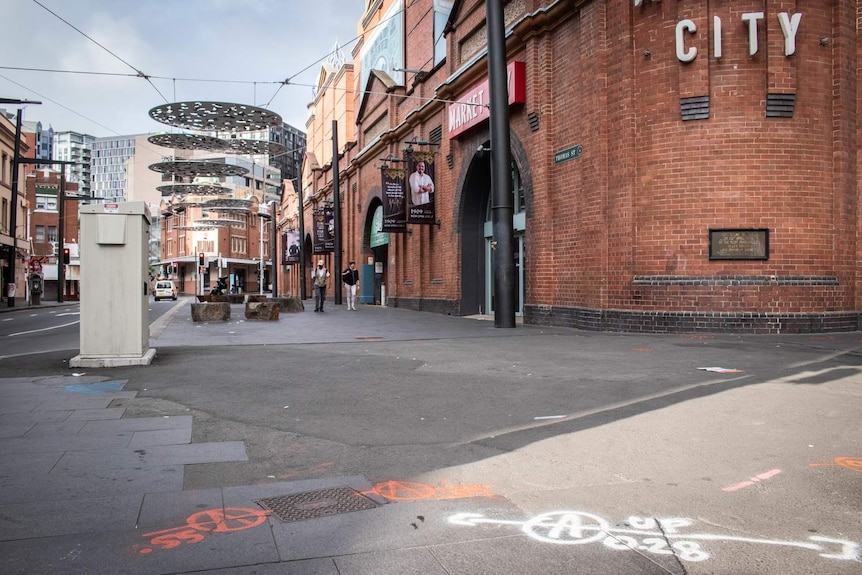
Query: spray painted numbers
point(198, 525)
point(658, 536)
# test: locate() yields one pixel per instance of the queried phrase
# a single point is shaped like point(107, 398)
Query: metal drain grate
point(314, 504)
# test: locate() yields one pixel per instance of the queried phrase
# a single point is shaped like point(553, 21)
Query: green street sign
point(568, 154)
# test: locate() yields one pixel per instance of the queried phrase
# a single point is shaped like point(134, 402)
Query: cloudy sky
point(217, 50)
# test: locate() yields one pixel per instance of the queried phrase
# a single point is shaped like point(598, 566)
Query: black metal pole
point(336, 202)
point(273, 246)
point(13, 219)
point(61, 236)
point(303, 294)
point(502, 204)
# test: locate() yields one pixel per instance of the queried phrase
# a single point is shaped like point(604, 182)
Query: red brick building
point(678, 166)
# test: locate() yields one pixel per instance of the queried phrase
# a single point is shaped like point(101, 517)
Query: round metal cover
point(215, 116)
point(188, 141)
point(254, 147)
point(193, 189)
point(191, 168)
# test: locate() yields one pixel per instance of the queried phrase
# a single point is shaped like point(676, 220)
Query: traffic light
point(201, 259)
point(66, 256)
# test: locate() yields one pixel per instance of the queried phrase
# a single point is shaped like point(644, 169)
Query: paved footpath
point(385, 441)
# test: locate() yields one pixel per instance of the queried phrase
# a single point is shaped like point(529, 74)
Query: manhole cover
point(314, 504)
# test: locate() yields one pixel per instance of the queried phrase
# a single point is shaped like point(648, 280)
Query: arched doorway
point(477, 281)
point(378, 242)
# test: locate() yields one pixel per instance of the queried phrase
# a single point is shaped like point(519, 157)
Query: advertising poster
point(320, 234)
point(394, 208)
point(420, 188)
point(291, 250)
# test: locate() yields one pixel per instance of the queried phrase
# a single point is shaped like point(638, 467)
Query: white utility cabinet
point(114, 244)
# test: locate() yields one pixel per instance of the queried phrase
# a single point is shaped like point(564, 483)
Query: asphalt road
point(527, 450)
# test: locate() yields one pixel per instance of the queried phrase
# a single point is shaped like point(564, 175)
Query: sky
point(236, 51)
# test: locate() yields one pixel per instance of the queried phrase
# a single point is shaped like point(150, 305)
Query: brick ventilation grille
point(436, 135)
point(780, 105)
point(696, 108)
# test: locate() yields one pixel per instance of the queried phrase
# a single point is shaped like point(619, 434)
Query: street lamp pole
point(302, 252)
point(502, 203)
point(13, 219)
point(273, 244)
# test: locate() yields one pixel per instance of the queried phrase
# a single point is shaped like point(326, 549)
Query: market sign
point(471, 108)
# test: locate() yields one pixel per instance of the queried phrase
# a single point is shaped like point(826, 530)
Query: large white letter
point(688, 55)
point(789, 26)
point(752, 18)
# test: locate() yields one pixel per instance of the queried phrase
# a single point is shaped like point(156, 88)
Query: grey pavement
point(386, 441)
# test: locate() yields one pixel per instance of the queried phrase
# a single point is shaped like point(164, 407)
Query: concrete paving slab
point(156, 455)
point(137, 424)
point(169, 509)
point(53, 518)
point(162, 437)
point(63, 443)
point(96, 414)
point(61, 485)
point(403, 561)
point(309, 567)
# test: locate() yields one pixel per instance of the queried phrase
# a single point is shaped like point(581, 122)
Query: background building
point(75, 147)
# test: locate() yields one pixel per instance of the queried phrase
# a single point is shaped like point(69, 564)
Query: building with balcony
point(75, 147)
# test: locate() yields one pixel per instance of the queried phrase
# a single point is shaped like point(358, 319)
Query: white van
point(165, 289)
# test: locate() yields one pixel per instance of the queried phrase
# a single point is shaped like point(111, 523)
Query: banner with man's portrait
point(420, 188)
point(290, 247)
point(394, 206)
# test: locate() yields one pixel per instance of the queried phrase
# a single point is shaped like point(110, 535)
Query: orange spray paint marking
point(209, 521)
point(412, 491)
point(852, 463)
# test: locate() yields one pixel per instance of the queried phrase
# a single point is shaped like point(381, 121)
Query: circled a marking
point(567, 527)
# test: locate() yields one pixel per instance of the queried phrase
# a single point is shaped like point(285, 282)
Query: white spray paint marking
point(753, 480)
point(43, 329)
point(646, 534)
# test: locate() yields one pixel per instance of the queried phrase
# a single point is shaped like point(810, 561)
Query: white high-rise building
point(75, 147)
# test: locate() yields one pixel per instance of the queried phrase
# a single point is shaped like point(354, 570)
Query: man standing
point(318, 279)
point(350, 276)
point(421, 185)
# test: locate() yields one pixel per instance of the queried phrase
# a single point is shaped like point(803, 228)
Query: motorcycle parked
point(220, 287)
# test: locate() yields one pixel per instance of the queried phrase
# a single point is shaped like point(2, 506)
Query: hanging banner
point(320, 232)
point(420, 187)
point(290, 249)
point(394, 208)
point(329, 236)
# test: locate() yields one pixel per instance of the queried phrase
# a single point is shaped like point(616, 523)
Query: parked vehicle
point(164, 289)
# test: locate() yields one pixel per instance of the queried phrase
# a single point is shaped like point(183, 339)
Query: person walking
point(350, 277)
point(319, 275)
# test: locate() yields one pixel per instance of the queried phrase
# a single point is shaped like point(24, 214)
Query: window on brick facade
point(52, 233)
point(40, 233)
point(442, 8)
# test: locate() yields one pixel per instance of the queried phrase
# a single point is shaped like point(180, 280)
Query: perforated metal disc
point(215, 116)
point(254, 147)
point(188, 141)
point(227, 203)
point(190, 169)
point(192, 189)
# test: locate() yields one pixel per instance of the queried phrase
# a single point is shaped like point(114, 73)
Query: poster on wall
point(384, 48)
point(394, 208)
point(324, 231)
point(420, 188)
point(290, 249)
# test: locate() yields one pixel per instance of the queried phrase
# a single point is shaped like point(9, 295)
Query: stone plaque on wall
point(739, 244)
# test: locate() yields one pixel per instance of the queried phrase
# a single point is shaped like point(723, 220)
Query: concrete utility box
point(115, 329)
